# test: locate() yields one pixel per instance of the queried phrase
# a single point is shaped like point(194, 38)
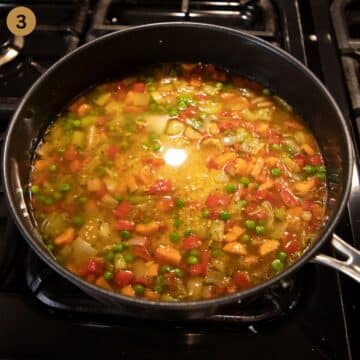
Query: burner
point(10, 47)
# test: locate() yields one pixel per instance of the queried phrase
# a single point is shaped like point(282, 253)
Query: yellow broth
point(182, 182)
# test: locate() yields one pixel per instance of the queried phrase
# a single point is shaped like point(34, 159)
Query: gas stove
point(313, 315)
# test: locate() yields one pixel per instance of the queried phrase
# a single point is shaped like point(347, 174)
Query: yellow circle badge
point(21, 21)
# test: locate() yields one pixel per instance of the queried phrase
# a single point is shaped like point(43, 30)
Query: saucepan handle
point(350, 266)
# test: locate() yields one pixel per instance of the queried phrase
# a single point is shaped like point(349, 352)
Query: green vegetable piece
point(260, 230)
point(277, 265)
point(179, 203)
point(245, 181)
point(109, 256)
point(320, 169)
point(250, 224)
point(34, 189)
point(50, 247)
point(188, 232)
point(192, 260)
point(48, 201)
point(282, 256)
point(205, 213)
point(173, 112)
point(217, 252)
point(178, 273)
point(164, 269)
point(194, 252)
point(118, 247)
point(174, 237)
point(230, 188)
point(158, 288)
point(177, 223)
point(77, 123)
point(156, 147)
point(108, 275)
point(275, 147)
point(266, 92)
point(124, 234)
point(139, 289)
point(53, 167)
point(224, 215)
point(57, 195)
point(242, 203)
point(320, 176)
point(245, 238)
point(129, 257)
point(82, 200)
point(309, 169)
point(78, 220)
point(64, 187)
point(275, 172)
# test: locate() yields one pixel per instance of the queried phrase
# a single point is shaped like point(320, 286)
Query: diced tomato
point(165, 204)
point(201, 96)
point(112, 151)
point(197, 270)
point(214, 214)
point(122, 209)
point(161, 186)
point(191, 242)
point(287, 197)
point(75, 165)
point(190, 111)
point(291, 247)
point(212, 164)
point(143, 281)
point(141, 252)
point(316, 160)
point(242, 280)
point(124, 225)
point(263, 195)
point(154, 162)
point(274, 137)
point(226, 125)
point(94, 267)
point(217, 200)
point(100, 193)
point(123, 277)
point(71, 153)
point(299, 159)
point(138, 87)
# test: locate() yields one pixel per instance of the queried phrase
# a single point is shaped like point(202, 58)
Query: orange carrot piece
point(103, 283)
point(66, 237)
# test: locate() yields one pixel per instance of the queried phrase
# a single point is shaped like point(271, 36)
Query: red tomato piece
point(112, 151)
point(274, 137)
point(124, 277)
point(94, 267)
point(125, 225)
point(154, 162)
point(138, 87)
point(165, 204)
point(70, 154)
point(143, 281)
point(122, 209)
point(214, 214)
point(242, 280)
point(141, 252)
point(191, 242)
point(197, 270)
point(316, 160)
point(161, 186)
point(217, 200)
point(212, 164)
point(299, 159)
point(287, 197)
point(291, 247)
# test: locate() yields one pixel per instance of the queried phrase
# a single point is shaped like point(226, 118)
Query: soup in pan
point(182, 182)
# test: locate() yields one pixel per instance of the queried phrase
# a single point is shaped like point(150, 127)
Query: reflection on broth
point(182, 182)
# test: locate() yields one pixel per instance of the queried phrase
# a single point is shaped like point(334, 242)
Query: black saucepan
point(113, 55)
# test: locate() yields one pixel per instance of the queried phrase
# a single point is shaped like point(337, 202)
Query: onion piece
point(137, 241)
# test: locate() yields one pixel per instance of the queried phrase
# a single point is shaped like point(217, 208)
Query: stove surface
point(314, 315)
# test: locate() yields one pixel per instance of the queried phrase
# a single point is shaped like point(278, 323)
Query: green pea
point(179, 203)
point(34, 189)
point(78, 220)
point(118, 247)
point(173, 112)
point(53, 168)
point(108, 275)
point(245, 238)
point(156, 147)
point(224, 215)
point(242, 203)
point(192, 260)
point(219, 85)
point(50, 247)
point(125, 245)
point(320, 176)
point(250, 224)
point(57, 195)
point(118, 198)
point(82, 200)
point(109, 256)
point(309, 169)
point(288, 149)
point(64, 187)
point(77, 123)
point(260, 230)
point(245, 181)
point(152, 137)
point(124, 234)
point(177, 222)
point(217, 252)
point(139, 289)
point(129, 257)
point(188, 232)
point(275, 172)
point(178, 272)
point(276, 147)
point(321, 169)
point(164, 269)
point(282, 256)
point(160, 280)
point(277, 265)
point(194, 252)
point(174, 237)
point(205, 213)
point(158, 288)
point(48, 201)
point(230, 188)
